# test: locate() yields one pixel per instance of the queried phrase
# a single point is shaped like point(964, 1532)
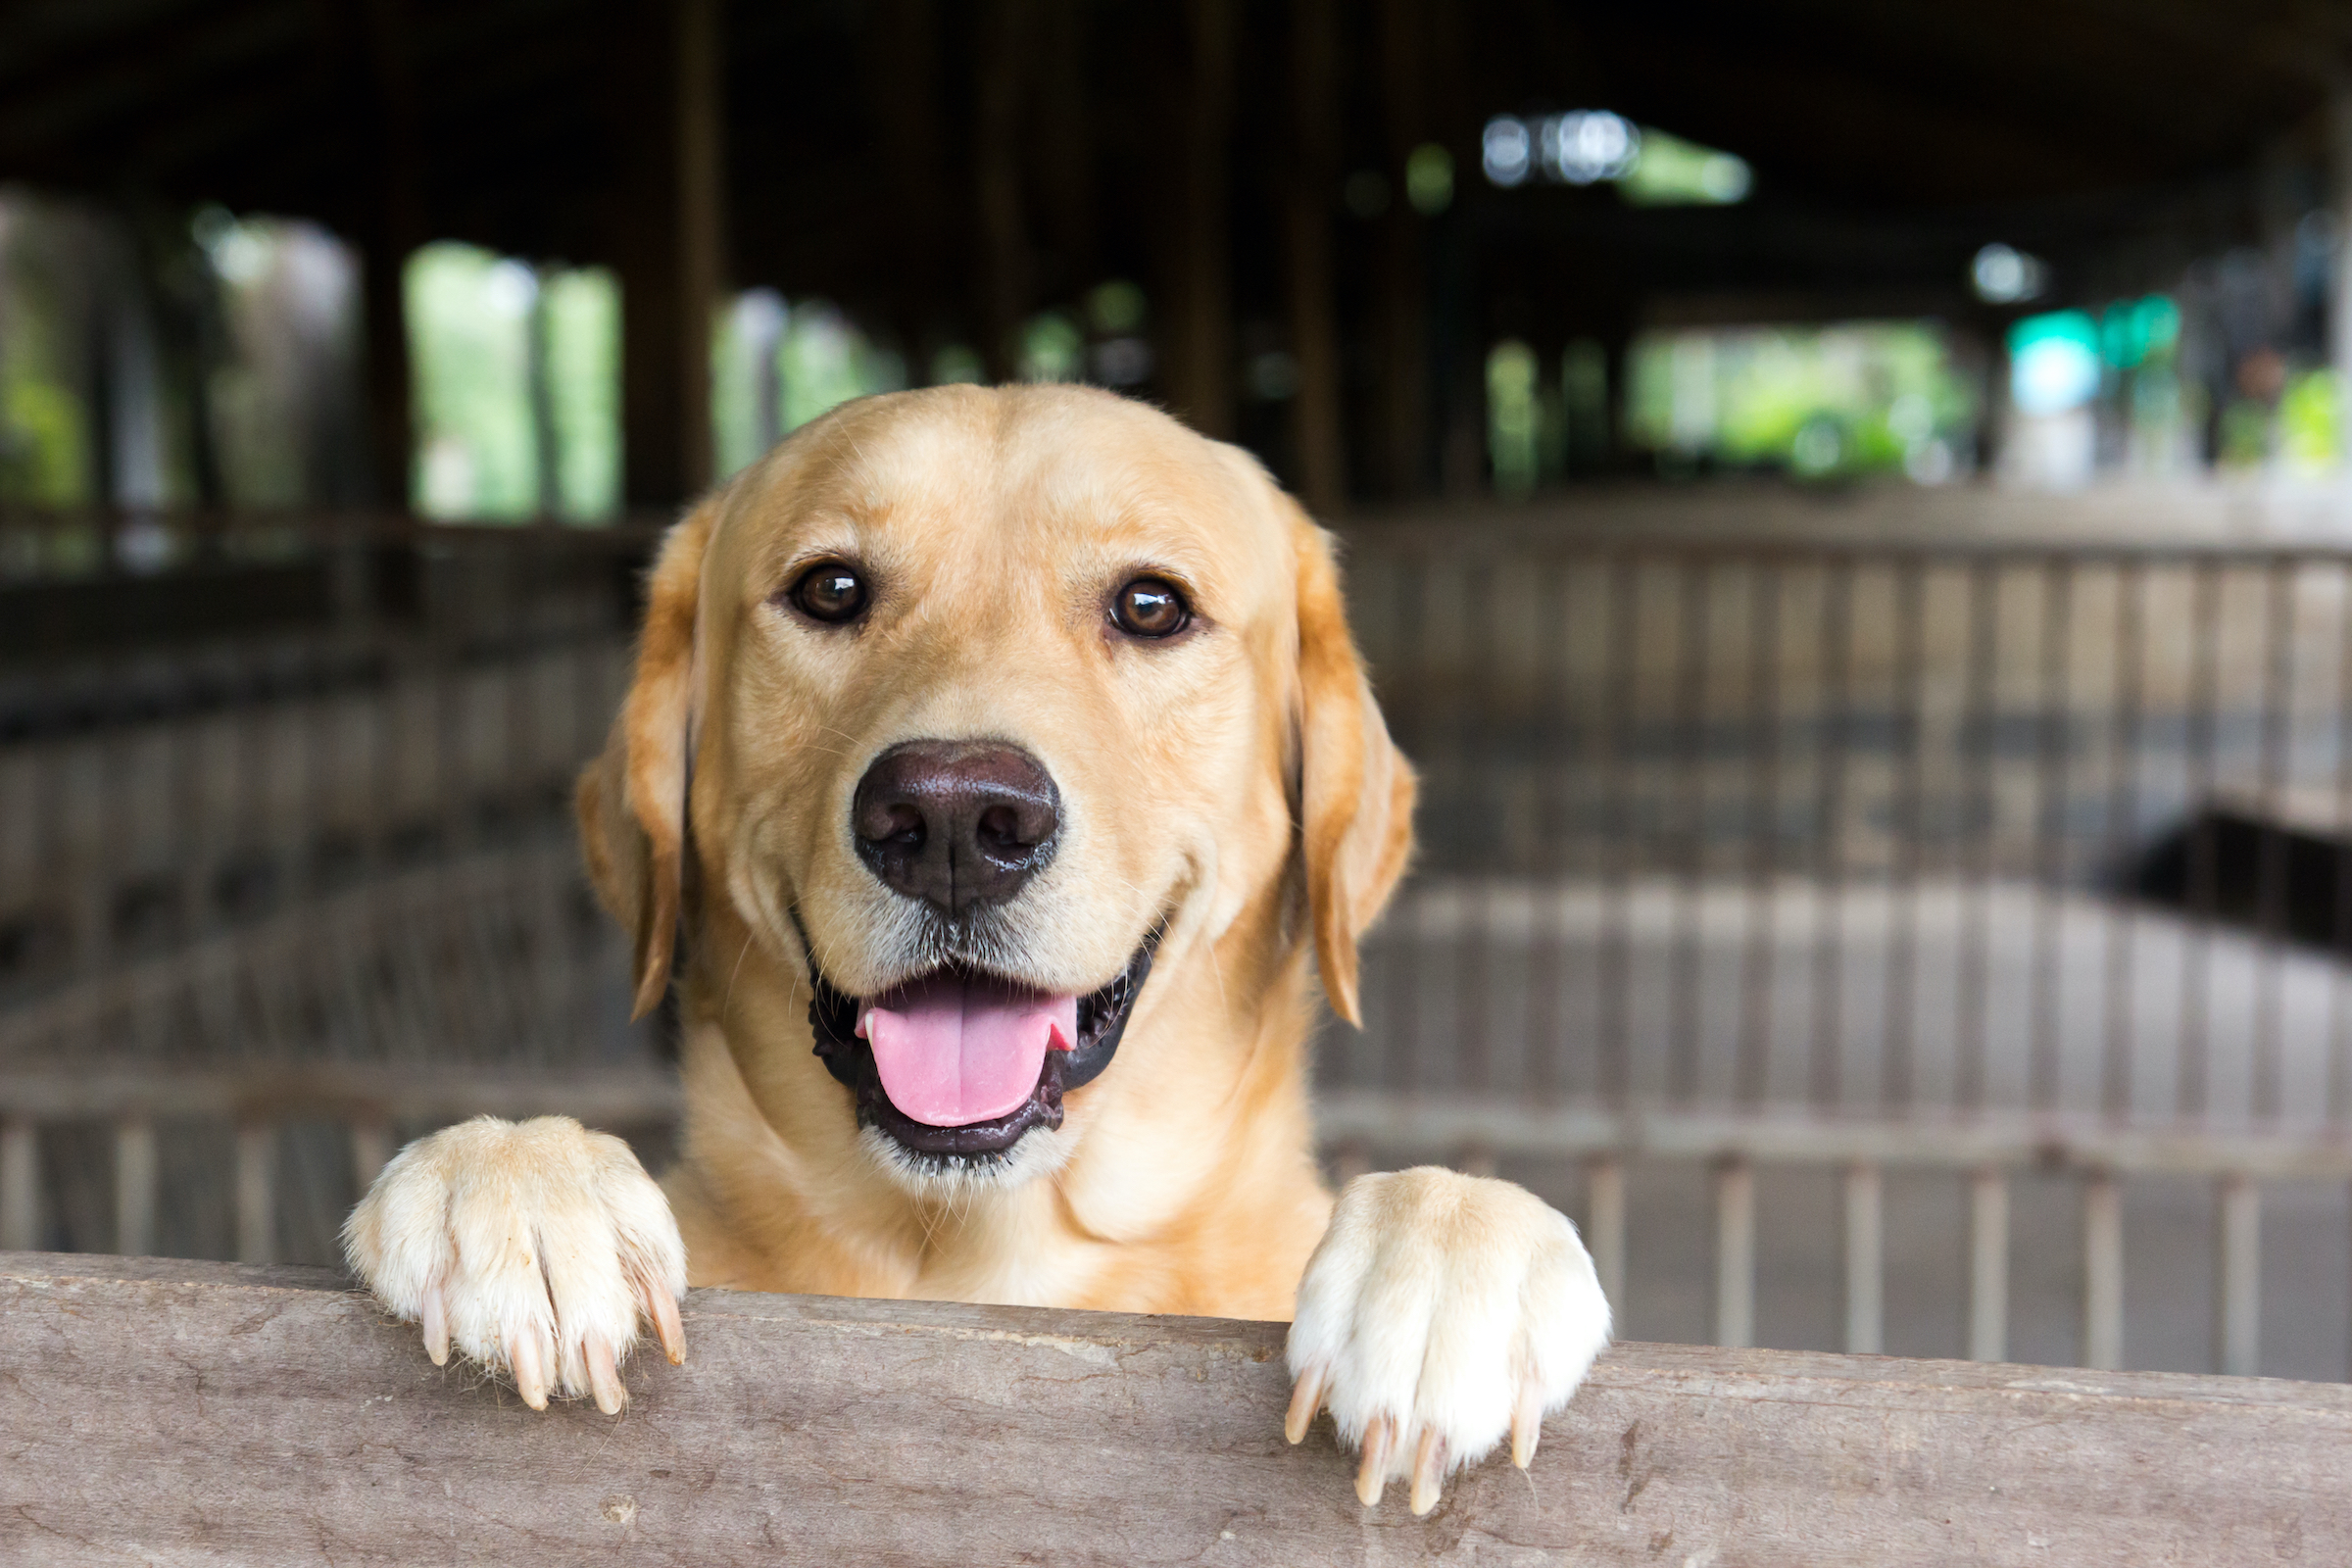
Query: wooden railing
point(167, 1413)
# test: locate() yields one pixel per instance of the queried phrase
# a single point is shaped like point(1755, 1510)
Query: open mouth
point(959, 1062)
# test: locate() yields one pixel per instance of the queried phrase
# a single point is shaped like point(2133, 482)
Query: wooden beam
point(1314, 313)
point(162, 1410)
point(1402, 427)
point(1198, 340)
point(667, 235)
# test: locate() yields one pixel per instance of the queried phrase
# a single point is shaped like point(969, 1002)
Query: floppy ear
point(1355, 788)
point(632, 800)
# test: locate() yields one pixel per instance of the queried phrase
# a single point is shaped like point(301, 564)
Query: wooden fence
point(158, 1411)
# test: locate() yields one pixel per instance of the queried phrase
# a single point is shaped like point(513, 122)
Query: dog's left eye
point(1151, 607)
point(829, 592)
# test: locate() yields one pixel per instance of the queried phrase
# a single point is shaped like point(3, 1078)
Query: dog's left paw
point(1438, 1312)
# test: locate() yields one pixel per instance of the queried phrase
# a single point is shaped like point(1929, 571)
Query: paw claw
point(604, 1378)
point(662, 1309)
point(1440, 1314)
point(1429, 1470)
point(1372, 1476)
point(530, 1378)
point(434, 1312)
point(1527, 1423)
point(1307, 1402)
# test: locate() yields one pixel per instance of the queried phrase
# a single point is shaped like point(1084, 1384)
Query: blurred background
point(1848, 503)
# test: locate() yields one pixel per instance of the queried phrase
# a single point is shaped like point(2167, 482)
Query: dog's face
point(994, 700)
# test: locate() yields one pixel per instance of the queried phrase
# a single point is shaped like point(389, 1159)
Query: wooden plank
point(165, 1411)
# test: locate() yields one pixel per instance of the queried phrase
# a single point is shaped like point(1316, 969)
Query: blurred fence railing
point(1759, 853)
point(310, 811)
point(1743, 854)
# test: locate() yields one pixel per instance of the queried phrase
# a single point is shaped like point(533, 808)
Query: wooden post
point(1604, 1228)
point(2102, 1273)
point(668, 238)
point(1198, 335)
point(1403, 309)
point(257, 1193)
point(903, 83)
point(2238, 1318)
point(1735, 1254)
point(1008, 40)
point(2339, 302)
point(20, 1183)
point(370, 1152)
point(134, 1186)
point(1865, 1260)
point(390, 226)
point(1988, 1267)
point(1314, 317)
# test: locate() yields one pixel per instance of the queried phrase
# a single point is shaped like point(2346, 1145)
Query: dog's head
point(973, 705)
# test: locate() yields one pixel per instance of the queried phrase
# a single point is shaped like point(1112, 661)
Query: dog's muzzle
point(920, 1029)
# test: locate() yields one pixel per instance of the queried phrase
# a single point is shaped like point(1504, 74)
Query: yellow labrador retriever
point(1001, 755)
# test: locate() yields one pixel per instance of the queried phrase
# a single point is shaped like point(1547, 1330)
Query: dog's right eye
point(829, 592)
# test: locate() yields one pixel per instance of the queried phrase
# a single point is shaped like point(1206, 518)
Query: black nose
point(955, 824)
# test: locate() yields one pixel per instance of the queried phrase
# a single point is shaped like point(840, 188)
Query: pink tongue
point(953, 1052)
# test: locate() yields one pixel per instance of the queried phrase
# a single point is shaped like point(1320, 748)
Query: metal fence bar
point(2122, 825)
point(134, 1186)
point(1896, 1070)
point(1689, 796)
point(1552, 660)
point(1972, 1022)
point(1865, 1260)
point(2050, 753)
point(2238, 1320)
point(2102, 1273)
point(1757, 959)
point(1613, 1069)
point(1826, 1071)
point(1735, 1254)
point(257, 1193)
point(2202, 888)
point(2270, 897)
point(370, 1151)
point(1605, 1226)
point(20, 1183)
point(1987, 1266)
point(2338, 1090)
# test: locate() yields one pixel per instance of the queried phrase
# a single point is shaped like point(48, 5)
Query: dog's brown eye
point(1151, 607)
point(830, 592)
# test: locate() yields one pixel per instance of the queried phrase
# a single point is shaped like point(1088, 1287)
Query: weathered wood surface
point(172, 1412)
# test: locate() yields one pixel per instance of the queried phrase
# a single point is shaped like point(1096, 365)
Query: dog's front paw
point(1438, 1312)
point(532, 1247)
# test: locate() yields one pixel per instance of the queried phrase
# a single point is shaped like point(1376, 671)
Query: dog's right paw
point(532, 1247)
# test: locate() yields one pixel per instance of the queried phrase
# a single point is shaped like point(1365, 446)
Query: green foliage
point(1514, 418)
point(1053, 348)
point(1429, 179)
point(469, 357)
point(825, 360)
point(580, 322)
point(516, 385)
point(1822, 402)
point(45, 440)
point(1670, 171)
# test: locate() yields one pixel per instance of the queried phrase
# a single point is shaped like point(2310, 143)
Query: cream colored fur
point(1235, 788)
